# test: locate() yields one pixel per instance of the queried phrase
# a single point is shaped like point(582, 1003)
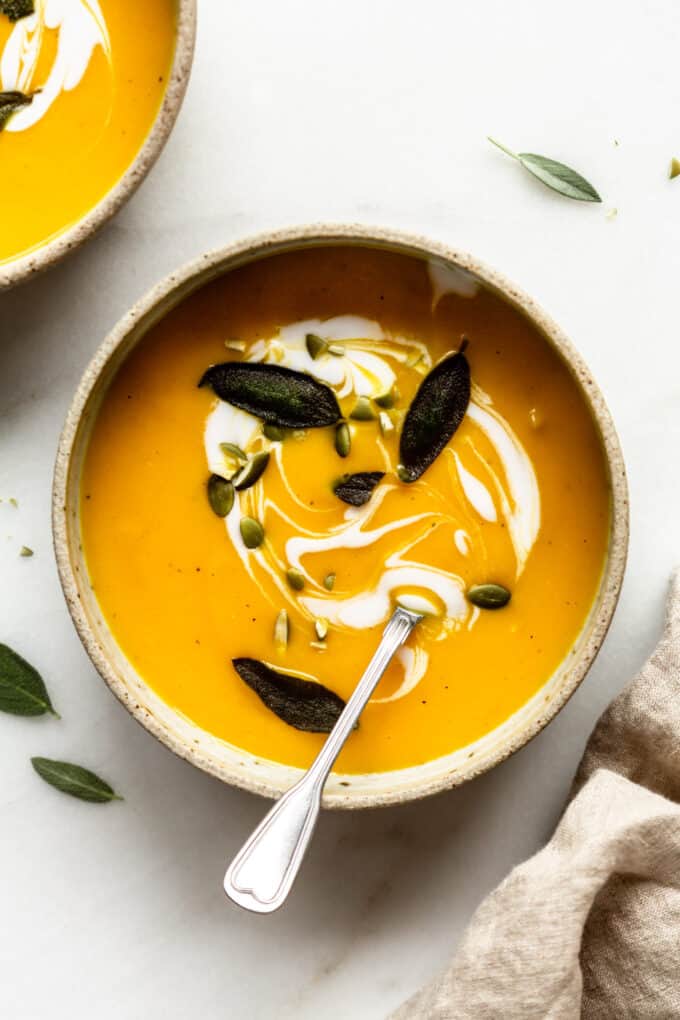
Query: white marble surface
point(297, 112)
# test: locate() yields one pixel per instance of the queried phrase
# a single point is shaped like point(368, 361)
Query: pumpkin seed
point(281, 630)
point(25, 551)
point(321, 628)
point(337, 349)
point(235, 345)
point(387, 400)
point(274, 433)
point(253, 470)
point(220, 495)
point(252, 532)
point(488, 596)
point(362, 410)
point(435, 413)
point(305, 704)
point(386, 423)
point(343, 439)
point(357, 489)
point(295, 579)
point(329, 582)
point(274, 393)
point(315, 346)
point(414, 359)
point(232, 450)
point(402, 473)
point(320, 646)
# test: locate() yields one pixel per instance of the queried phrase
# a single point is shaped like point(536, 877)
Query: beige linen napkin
point(590, 926)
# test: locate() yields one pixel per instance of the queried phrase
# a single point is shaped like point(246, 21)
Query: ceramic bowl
point(52, 251)
point(230, 763)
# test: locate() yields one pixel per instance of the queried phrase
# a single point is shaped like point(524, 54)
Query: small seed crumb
point(25, 551)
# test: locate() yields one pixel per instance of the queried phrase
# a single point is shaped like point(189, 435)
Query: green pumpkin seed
point(329, 582)
point(253, 470)
point(321, 628)
point(232, 450)
point(343, 439)
point(386, 423)
point(295, 579)
point(402, 474)
point(315, 346)
point(488, 596)
point(274, 433)
point(362, 410)
point(387, 400)
point(220, 495)
point(252, 532)
point(281, 630)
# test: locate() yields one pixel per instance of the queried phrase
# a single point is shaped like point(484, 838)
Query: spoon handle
point(262, 873)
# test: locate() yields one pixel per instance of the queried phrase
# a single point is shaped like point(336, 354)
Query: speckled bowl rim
point(218, 758)
point(24, 267)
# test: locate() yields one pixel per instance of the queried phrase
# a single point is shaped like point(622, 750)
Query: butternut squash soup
point(311, 438)
point(81, 83)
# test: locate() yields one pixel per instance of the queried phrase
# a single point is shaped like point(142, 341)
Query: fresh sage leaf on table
point(10, 102)
point(555, 175)
point(74, 780)
point(435, 413)
point(22, 689)
point(357, 489)
point(17, 9)
point(305, 704)
point(275, 394)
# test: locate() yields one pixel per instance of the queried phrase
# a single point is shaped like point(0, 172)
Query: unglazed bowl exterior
point(227, 762)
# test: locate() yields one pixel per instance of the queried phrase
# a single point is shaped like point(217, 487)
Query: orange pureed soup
point(95, 72)
point(518, 497)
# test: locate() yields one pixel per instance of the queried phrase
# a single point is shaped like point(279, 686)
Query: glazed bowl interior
point(56, 247)
point(217, 757)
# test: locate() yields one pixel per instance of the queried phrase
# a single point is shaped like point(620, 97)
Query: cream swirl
point(509, 497)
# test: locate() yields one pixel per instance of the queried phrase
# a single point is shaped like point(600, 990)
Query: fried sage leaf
point(275, 394)
point(304, 704)
point(357, 489)
point(10, 102)
point(220, 495)
point(435, 413)
point(558, 176)
point(74, 780)
point(17, 9)
point(22, 689)
point(488, 596)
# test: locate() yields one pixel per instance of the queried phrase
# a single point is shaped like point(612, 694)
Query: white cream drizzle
point(364, 369)
point(81, 29)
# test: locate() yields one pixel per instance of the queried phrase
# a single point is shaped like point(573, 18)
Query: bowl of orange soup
point(89, 92)
point(288, 437)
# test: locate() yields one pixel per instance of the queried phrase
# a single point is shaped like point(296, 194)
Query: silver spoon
point(263, 871)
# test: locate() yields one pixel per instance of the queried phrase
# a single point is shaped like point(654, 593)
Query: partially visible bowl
point(59, 245)
point(230, 763)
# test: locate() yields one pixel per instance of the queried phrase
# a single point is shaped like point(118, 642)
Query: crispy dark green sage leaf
point(488, 596)
point(220, 495)
point(74, 780)
point(22, 689)
point(435, 413)
point(10, 102)
point(17, 9)
point(558, 176)
point(304, 704)
point(357, 489)
point(275, 394)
